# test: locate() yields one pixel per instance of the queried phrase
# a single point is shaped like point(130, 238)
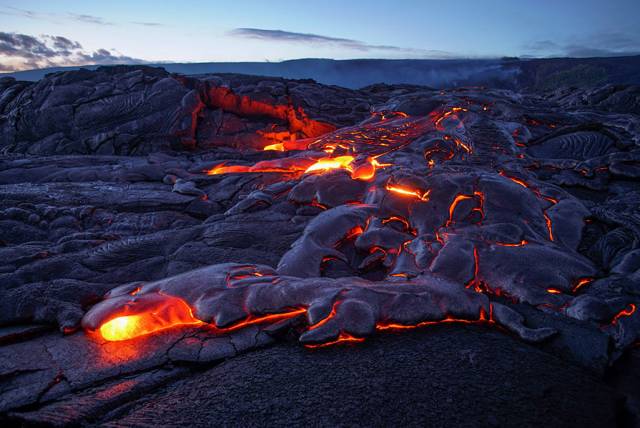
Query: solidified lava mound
point(159, 219)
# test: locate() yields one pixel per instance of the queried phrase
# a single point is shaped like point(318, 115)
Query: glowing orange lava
point(441, 117)
point(277, 147)
point(326, 319)
point(422, 195)
point(478, 285)
point(325, 164)
point(626, 312)
point(515, 180)
point(522, 243)
point(549, 225)
point(343, 338)
point(172, 312)
point(403, 221)
point(359, 170)
point(482, 318)
point(270, 318)
point(581, 283)
point(459, 198)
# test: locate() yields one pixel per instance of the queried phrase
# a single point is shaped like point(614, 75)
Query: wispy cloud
point(148, 24)
point(88, 19)
point(54, 17)
point(22, 52)
point(24, 13)
point(351, 44)
point(594, 45)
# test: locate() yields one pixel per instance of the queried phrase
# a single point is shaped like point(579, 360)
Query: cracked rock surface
point(321, 251)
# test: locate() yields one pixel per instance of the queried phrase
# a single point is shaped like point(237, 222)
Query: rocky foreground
point(241, 250)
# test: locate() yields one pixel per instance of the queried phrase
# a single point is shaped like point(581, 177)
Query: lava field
point(168, 233)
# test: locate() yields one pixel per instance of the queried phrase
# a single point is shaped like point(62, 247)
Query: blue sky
point(45, 33)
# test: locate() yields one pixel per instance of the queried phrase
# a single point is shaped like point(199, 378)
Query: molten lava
point(454, 204)
point(358, 147)
point(581, 283)
point(343, 338)
point(251, 320)
point(340, 162)
point(171, 312)
point(277, 147)
point(547, 221)
point(482, 318)
point(626, 312)
point(354, 150)
point(522, 243)
point(359, 170)
point(406, 191)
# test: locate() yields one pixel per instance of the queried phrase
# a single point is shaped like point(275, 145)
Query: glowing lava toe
point(140, 316)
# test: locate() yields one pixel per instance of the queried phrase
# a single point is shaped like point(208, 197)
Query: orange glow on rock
point(357, 230)
point(554, 291)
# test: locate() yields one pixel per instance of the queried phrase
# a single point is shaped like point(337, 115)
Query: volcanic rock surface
point(154, 225)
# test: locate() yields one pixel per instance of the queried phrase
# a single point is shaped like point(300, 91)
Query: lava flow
point(388, 230)
point(359, 170)
point(357, 149)
point(171, 312)
point(165, 313)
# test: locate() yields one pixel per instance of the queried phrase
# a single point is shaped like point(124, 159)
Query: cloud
point(53, 17)
point(23, 52)
point(16, 11)
point(104, 57)
point(63, 44)
point(309, 38)
point(148, 24)
point(7, 68)
point(88, 19)
point(594, 45)
point(25, 46)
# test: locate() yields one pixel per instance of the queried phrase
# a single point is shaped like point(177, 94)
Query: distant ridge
point(356, 73)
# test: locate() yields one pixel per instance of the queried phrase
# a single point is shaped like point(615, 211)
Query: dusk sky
point(39, 34)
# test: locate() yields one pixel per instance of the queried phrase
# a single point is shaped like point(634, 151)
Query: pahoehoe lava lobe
point(188, 219)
